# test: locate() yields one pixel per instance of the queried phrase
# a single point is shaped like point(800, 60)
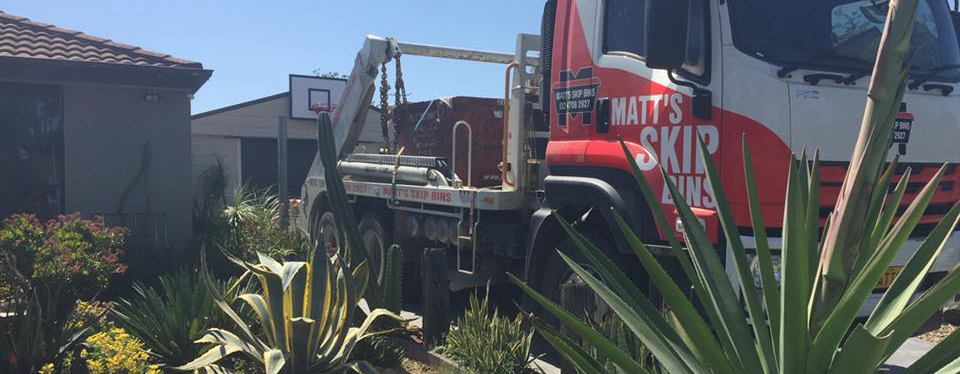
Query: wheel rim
point(600, 309)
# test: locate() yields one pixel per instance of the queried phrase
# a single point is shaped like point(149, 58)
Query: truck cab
point(787, 77)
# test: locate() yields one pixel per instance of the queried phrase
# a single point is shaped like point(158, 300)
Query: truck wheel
point(555, 274)
point(327, 227)
point(376, 239)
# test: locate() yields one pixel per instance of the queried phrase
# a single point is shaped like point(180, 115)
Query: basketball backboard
point(310, 93)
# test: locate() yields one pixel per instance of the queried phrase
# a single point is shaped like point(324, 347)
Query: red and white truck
point(485, 177)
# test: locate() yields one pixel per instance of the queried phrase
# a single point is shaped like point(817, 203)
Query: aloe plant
point(305, 312)
point(803, 324)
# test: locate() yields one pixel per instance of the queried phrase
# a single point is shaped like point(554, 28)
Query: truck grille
point(947, 194)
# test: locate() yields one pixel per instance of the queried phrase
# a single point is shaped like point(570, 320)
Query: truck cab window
point(623, 27)
point(697, 43)
point(841, 35)
point(856, 28)
point(623, 33)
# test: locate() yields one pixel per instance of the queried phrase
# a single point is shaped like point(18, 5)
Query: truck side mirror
point(665, 33)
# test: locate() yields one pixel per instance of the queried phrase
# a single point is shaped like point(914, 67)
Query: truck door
point(653, 114)
point(602, 90)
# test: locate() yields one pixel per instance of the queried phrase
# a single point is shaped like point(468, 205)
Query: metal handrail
point(505, 163)
point(453, 159)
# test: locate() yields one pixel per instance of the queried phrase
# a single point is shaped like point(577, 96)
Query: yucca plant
point(170, 316)
point(253, 225)
point(483, 341)
point(803, 324)
point(305, 311)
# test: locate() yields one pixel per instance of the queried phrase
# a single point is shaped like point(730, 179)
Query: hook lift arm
point(351, 113)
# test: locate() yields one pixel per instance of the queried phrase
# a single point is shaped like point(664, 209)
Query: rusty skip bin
point(426, 129)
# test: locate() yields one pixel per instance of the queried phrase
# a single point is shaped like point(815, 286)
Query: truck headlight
point(755, 269)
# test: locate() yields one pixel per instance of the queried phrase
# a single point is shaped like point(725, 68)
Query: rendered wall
point(105, 131)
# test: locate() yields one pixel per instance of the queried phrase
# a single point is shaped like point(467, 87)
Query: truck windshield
point(842, 34)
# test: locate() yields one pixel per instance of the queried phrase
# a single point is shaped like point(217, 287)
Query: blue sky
point(253, 45)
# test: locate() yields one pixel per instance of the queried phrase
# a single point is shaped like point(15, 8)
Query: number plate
point(888, 276)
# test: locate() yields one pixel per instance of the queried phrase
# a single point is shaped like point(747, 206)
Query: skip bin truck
point(486, 178)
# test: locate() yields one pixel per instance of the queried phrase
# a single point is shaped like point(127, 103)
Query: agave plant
point(802, 324)
point(305, 312)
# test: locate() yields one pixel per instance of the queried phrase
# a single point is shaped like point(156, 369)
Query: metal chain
point(399, 98)
point(384, 104)
point(401, 89)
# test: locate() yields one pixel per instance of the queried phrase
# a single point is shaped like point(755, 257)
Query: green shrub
point(66, 255)
point(488, 343)
point(378, 351)
point(251, 225)
point(47, 268)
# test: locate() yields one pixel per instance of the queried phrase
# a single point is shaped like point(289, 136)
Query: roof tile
point(24, 38)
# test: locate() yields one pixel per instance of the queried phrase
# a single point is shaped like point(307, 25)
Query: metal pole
point(282, 171)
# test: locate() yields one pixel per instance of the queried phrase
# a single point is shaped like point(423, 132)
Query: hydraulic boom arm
point(350, 114)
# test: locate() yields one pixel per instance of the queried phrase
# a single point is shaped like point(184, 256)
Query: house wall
point(218, 135)
point(105, 130)
point(206, 151)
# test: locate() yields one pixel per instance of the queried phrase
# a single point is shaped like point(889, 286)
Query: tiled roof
point(21, 37)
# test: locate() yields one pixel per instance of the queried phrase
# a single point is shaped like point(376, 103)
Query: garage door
point(258, 163)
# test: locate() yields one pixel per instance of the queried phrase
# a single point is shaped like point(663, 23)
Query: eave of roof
point(25, 42)
point(240, 105)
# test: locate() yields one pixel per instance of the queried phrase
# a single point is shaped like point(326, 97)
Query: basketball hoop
point(320, 107)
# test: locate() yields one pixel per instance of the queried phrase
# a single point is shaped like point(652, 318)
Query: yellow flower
point(47, 369)
point(116, 352)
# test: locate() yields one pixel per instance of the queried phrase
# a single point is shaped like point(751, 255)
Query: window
point(623, 27)
point(31, 150)
point(697, 43)
point(623, 33)
point(841, 35)
point(856, 29)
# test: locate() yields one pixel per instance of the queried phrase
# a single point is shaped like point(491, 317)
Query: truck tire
point(376, 237)
point(327, 227)
point(554, 272)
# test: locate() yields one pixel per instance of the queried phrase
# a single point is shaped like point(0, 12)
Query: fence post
point(282, 171)
point(436, 295)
